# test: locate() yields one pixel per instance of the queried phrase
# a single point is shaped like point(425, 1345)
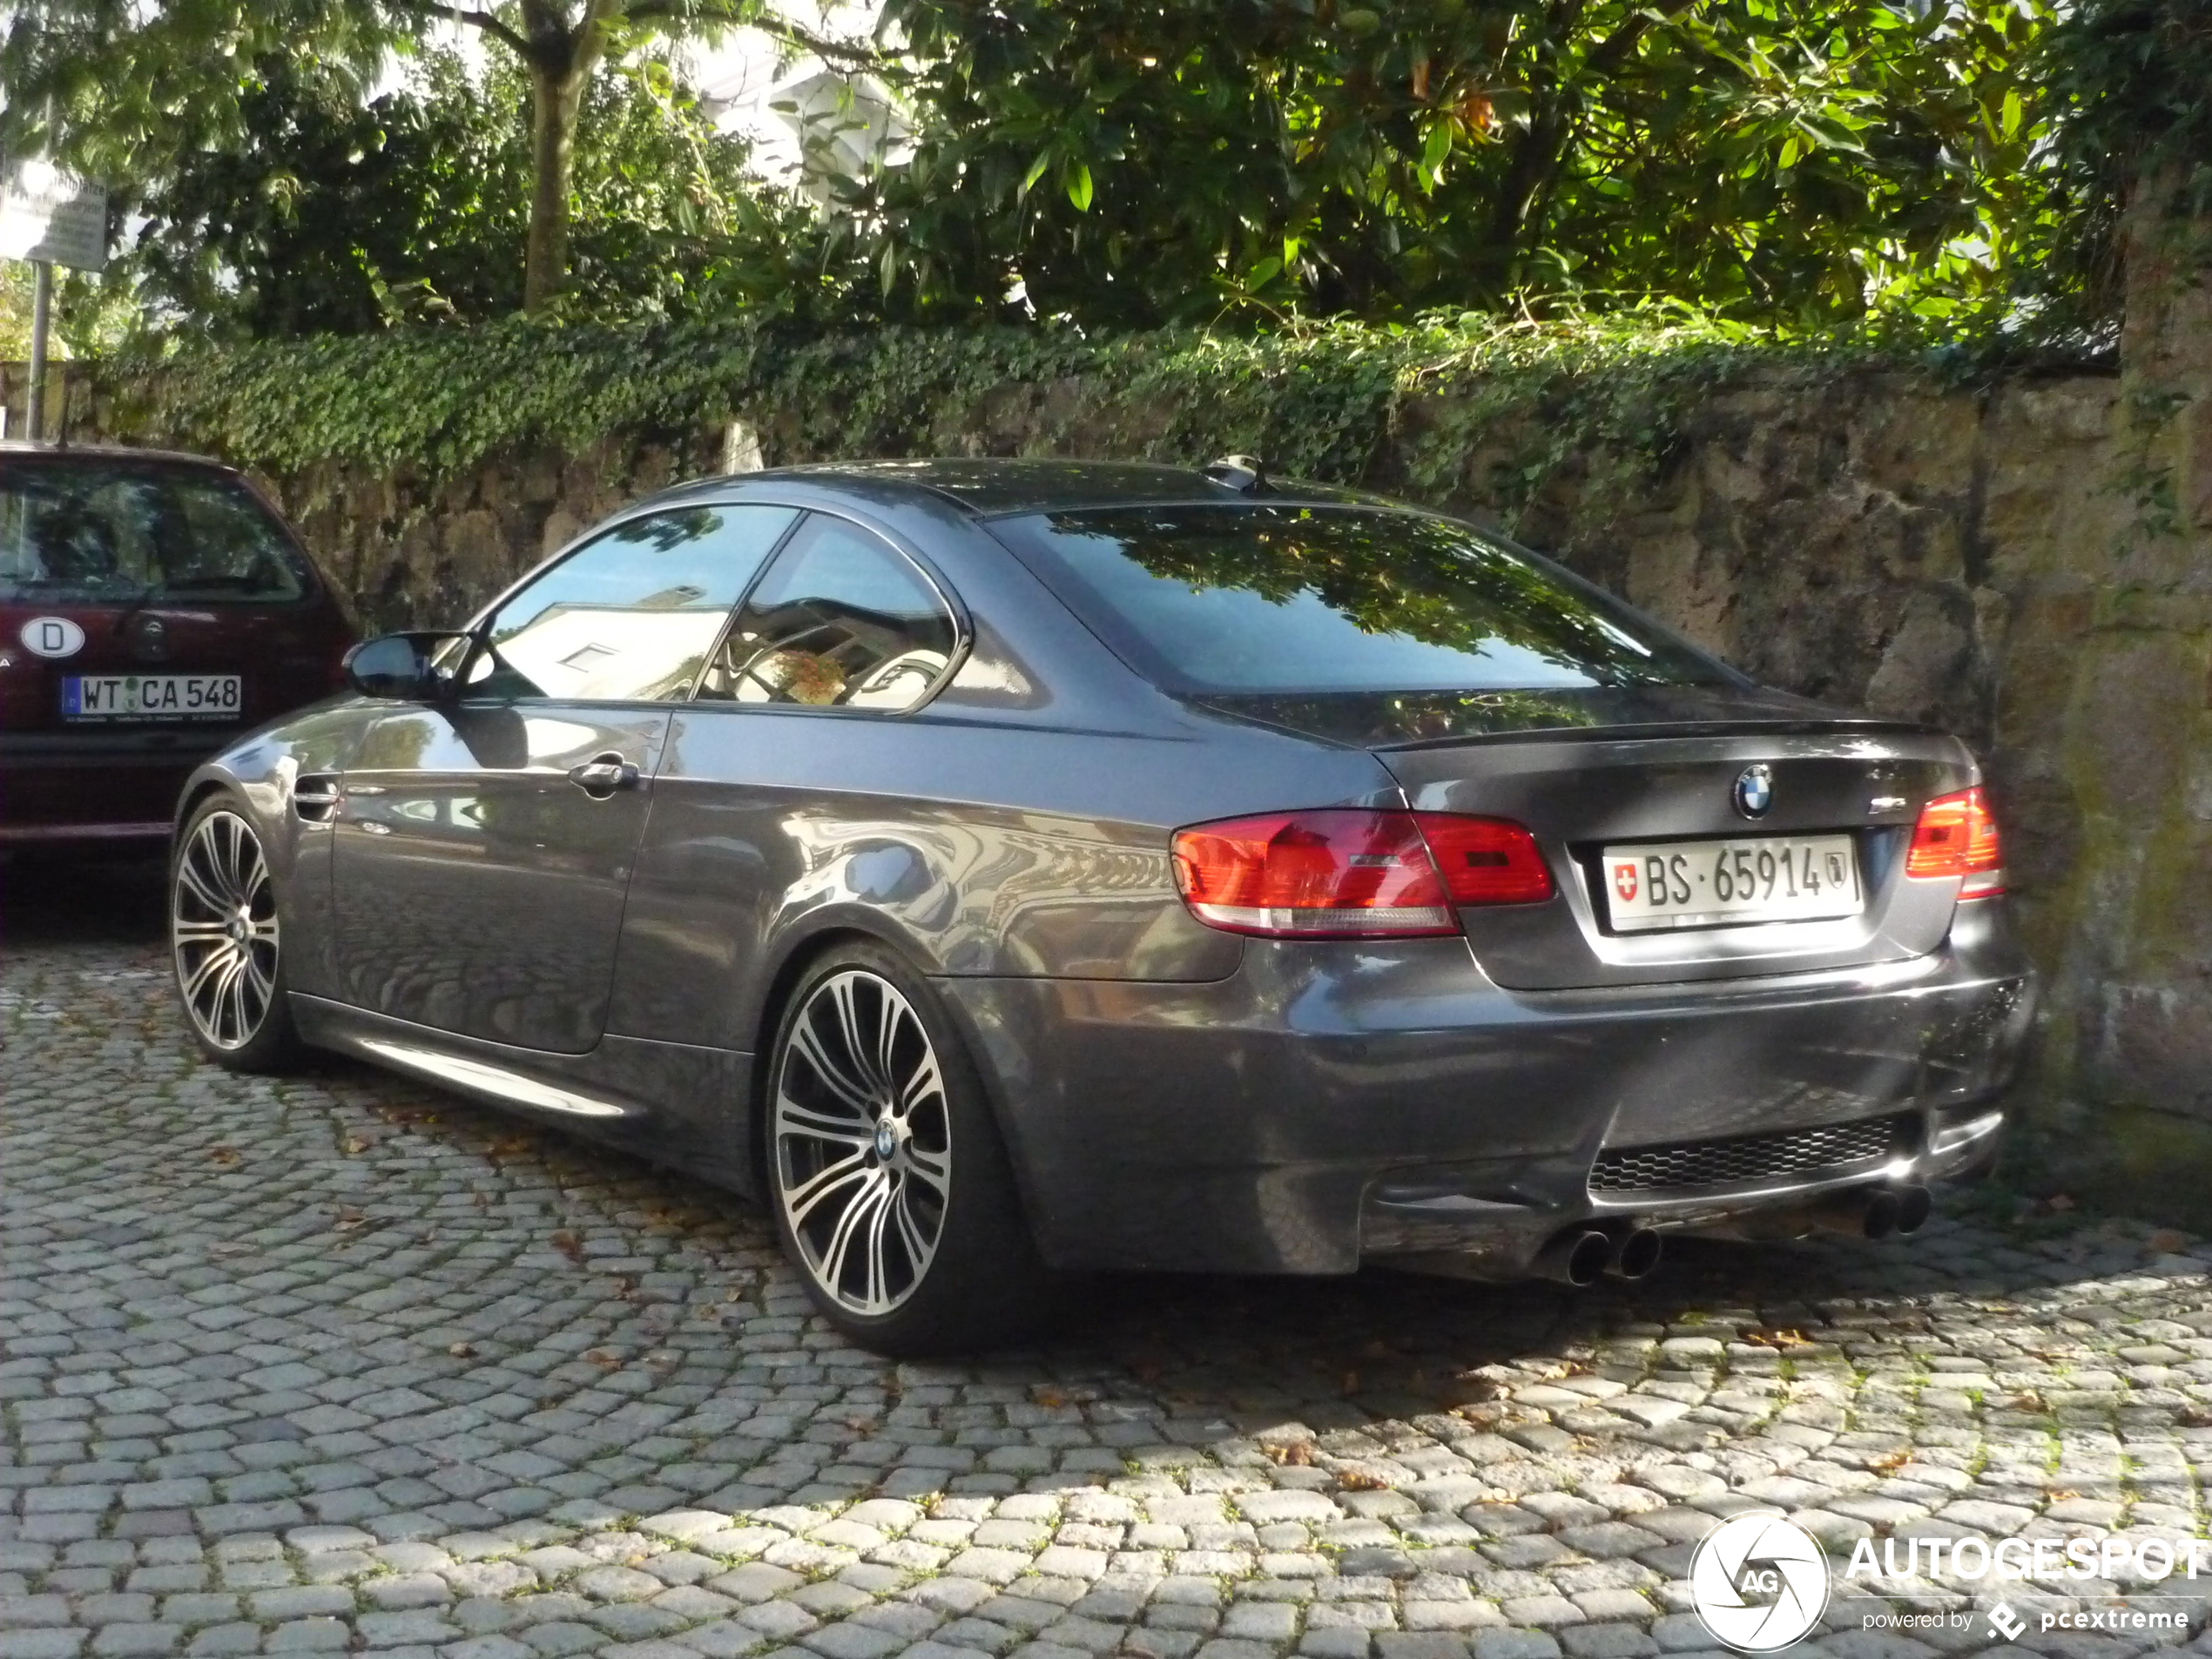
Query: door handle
point(602, 775)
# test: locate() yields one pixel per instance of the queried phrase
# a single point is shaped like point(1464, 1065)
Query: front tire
point(891, 1191)
point(226, 942)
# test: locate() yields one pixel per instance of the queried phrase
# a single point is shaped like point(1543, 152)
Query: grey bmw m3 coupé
point(1005, 867)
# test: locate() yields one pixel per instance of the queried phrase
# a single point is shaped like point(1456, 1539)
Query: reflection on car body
point(1004, 867)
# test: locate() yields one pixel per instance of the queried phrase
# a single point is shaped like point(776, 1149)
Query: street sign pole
point(42, 306)
point(49, 218)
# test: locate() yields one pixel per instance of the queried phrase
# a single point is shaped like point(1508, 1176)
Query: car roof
point(992, 487)
point(46, 451)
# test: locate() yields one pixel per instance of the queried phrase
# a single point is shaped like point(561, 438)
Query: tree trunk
point(556, 95)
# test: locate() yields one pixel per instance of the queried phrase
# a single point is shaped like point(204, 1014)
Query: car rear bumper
point(103, 786)
point(1330, 1102)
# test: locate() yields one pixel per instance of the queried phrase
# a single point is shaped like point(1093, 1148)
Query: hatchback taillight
point(1341, 873)
point(1957, 836)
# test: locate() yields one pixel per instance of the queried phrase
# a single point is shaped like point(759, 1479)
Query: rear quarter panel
point(979, 846)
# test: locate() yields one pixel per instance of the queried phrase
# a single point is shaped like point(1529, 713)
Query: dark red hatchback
point(152, 606)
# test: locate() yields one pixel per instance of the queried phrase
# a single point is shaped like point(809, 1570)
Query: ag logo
point(1759, 1582)
point(1624, 880)
point(52, 636)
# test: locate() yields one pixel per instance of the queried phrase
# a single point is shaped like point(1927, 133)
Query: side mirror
point(402, 666)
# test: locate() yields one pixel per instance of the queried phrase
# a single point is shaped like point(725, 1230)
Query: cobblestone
point(338, 1362)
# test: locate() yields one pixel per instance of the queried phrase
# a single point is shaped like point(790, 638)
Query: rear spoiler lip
point(1830, 726)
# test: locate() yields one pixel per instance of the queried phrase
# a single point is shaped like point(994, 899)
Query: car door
point(484, 844)
point(766, 782)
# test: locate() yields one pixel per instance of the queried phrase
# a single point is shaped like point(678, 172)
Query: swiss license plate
point(152, 697)
point(1708, 884)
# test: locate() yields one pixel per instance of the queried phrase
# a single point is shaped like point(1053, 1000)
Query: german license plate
point(1709, 884)
point(152, 697)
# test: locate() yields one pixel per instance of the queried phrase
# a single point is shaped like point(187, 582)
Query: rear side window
point(842, 620)
point(1301, 599)
point(629, 616)
point(85, 533)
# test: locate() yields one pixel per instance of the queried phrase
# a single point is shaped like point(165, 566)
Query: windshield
point(85, 533)
point(1261, 600)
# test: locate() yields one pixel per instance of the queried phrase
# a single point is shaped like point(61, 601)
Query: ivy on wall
point(1322, 401)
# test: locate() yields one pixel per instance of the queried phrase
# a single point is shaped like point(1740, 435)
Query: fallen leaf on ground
point(461, 1351)
point(1786, 1337)
point(224, 1155)
point(569, 1244)
point(602, 1357)
point(350, 1220)
point(353, 1143)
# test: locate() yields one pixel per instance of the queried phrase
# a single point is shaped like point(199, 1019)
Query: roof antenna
point(1243, 474)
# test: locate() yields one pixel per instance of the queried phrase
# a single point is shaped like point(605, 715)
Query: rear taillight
point(1956, 837)
point(1347, 873)
point(1485, 860)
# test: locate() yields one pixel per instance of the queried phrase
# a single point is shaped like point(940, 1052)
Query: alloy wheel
point(861, 1142)
point(223, 930)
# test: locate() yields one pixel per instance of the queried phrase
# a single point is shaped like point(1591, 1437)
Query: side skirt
point(678, 1104)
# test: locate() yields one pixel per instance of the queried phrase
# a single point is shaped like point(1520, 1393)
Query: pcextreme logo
point(1759, 1582)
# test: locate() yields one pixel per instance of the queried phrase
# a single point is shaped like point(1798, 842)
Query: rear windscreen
point(1315, 599)
point(88, 534)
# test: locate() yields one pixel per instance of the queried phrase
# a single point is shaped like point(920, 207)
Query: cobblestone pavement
point(338, 1363)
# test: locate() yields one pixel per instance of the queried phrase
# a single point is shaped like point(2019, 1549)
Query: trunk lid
point(1659, 768)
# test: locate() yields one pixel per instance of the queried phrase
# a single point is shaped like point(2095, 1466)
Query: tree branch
point(483, 20)
point(1536, 158)
point(749, 16)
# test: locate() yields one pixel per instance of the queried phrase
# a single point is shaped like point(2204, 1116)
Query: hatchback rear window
point(88, 534)
point(1265, 600)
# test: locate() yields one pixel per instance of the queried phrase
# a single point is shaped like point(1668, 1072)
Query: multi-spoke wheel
point(890, 1186)
point(226, 941)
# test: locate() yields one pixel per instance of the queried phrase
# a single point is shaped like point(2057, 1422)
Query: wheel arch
point(799, 952)
point(196, 791)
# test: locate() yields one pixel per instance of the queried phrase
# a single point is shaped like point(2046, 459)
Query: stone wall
point(2005, 560)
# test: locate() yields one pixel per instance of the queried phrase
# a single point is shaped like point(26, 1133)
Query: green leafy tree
point(326, 215)
point(1139, 161)
point(2130, 87)
point(125, 89)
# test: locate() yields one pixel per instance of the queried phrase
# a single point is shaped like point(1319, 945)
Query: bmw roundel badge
point(1755, 790)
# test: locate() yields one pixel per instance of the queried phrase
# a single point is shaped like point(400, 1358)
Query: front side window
point(1288, 600)
point(86, 533)
point(841, 620)
point(631, 615)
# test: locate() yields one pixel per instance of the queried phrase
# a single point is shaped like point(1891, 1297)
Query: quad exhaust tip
point(1579, 1256)
point(1575, 1255)
point(1876, 1213)
point(1635, 1254)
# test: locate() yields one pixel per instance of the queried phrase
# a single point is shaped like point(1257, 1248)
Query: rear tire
point(891, 1191)
point(226, 942)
